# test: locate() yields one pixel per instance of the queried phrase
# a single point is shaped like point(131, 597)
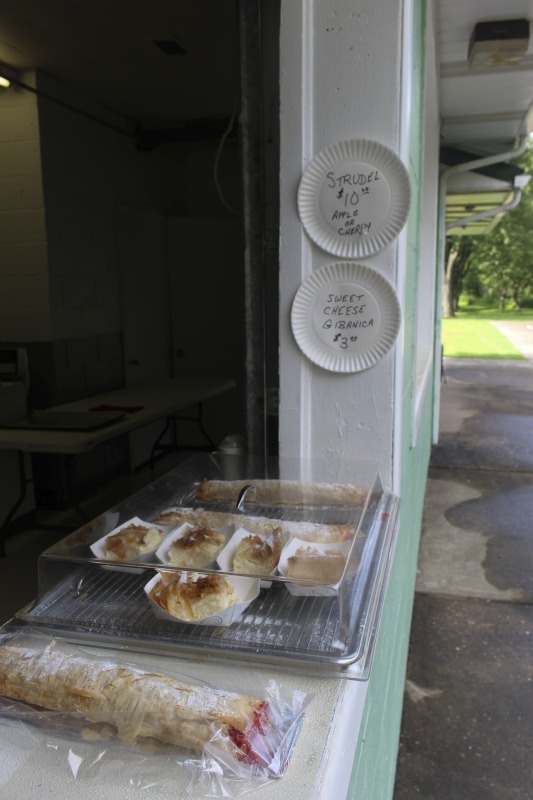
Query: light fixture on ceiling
point(498, 43)
point(8, 76)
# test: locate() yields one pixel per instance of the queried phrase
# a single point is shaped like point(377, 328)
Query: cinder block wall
point(80, 199)
point(63, 177)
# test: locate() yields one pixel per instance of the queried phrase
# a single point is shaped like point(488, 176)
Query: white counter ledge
point(323, 756)
point(320, 768)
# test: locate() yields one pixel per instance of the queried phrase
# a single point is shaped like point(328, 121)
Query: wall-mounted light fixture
point(498, 43)
point(7, 75)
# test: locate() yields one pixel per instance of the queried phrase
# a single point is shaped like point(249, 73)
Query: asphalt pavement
point(468, 712)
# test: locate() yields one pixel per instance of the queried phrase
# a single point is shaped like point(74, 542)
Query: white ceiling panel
point(106, 49)
point(481, 105)
point(484, 110)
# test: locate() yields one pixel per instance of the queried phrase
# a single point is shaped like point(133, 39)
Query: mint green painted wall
point(375, 762)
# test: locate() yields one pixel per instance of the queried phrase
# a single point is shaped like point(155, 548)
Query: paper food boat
point(162, 551)
point(227, 554)
point(312, 587)
point(245, 589)
point(98, 547)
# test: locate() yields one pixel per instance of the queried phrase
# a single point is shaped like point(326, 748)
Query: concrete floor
point(468, 713)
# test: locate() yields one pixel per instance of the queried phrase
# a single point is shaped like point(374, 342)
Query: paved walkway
point(520, 334)
point(468, 712)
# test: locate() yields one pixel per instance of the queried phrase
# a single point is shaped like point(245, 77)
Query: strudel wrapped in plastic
point(100, 697)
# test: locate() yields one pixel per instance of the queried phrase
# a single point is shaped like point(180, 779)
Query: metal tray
point(82, 599)
point(110, 607)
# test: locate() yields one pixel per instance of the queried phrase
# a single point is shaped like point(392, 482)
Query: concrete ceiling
point(149, 61)
point(163, 62)
point(483, 108)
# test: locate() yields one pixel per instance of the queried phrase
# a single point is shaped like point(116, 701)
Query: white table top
point(40, 766)
point(158, 399)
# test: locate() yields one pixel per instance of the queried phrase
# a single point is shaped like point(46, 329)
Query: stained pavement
point(467, 723)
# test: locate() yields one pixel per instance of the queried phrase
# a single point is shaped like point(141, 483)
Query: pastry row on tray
point(258, 546)
point(221, 599)
point(283, 492)
point(316, 563)
point(249, 549)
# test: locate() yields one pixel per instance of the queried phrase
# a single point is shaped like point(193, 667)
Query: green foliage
point(485, 309)
point(499, 265)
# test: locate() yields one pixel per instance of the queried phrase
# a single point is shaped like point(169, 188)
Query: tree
point(505, 264)
point(460, 251)
point(503, 257)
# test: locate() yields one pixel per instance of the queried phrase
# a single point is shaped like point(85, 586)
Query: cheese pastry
point(131, 542)
point(196, 548)
point(258, 555)
point(309, 564)
point(190, 597)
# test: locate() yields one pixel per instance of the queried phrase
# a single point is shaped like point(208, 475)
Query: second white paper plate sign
point(345, 317)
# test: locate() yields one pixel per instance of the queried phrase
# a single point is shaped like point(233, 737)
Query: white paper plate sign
point(350, 316)
point(345, 317)
point(354, 198)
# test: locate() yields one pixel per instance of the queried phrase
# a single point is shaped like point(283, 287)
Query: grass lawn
point(470, 333)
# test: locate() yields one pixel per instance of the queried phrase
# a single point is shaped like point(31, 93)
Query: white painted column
point(340, 78)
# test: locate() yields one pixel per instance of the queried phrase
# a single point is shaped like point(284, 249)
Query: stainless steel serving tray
point(80, 598)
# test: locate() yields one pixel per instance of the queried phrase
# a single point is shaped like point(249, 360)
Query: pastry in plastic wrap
point(137, 704)
point(195, 548)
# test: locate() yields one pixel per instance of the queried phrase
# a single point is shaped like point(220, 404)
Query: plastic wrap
point(95, 713)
